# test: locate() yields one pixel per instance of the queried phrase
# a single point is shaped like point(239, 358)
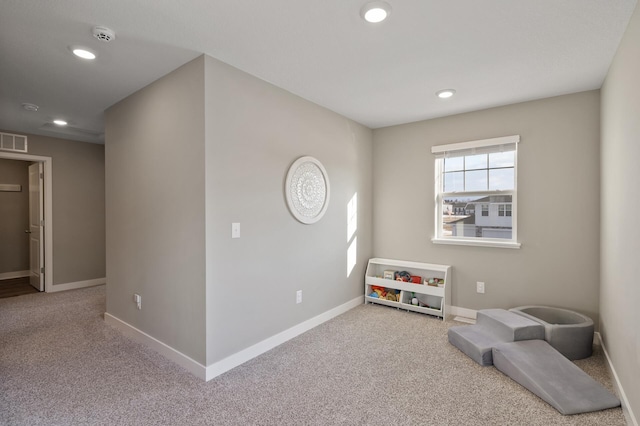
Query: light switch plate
point(235, 230)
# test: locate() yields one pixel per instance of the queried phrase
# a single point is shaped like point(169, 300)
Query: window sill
point(483, 243)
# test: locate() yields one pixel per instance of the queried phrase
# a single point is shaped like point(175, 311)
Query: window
point(504, 209)
point(479, 178)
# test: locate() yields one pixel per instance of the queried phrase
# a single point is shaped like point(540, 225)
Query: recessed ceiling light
point(83, 53)
point(376, 11)
point(445, 93)
point(60, 122)
point(30, 107)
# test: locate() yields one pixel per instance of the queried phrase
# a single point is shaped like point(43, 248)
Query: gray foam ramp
point(509, 326)
point(548, 374)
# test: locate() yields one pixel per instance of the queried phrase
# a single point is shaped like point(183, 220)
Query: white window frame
point(440, 151)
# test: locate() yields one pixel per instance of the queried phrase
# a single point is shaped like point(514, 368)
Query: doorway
point(41, 244)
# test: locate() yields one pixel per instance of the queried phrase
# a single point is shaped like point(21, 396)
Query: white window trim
point(439, 149)
point(476, 242)
point(484, 242)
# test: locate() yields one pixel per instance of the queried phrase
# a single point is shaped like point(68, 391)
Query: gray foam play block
point(548, 374)
point(492, 326)
point(508, 326)
point(474, 341)
point(569, 332)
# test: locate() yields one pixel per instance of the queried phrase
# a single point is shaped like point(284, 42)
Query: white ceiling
point(493, 52)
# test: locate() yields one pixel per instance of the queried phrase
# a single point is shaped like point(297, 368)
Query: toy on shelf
point(402, 276)
point(378, 292)
point(434, 282)
point(414, 299)
point(406, 277)
point(385, 293)
point(393, 295)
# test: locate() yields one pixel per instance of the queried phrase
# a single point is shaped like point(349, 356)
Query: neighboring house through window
point(476, 192)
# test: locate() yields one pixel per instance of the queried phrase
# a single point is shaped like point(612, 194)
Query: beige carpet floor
point(60, 364)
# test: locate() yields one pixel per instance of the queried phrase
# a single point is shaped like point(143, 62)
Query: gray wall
point(155, 196)
point(78, 207)
point(558, 203)
point(14, 214)
point(255, 131)
point(619, 289)
point(205, 146)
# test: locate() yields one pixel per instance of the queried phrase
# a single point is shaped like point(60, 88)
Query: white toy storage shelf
point(431, 299)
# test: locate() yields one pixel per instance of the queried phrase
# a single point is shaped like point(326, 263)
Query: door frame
point(48, 210)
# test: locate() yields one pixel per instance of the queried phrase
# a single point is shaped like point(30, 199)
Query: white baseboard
point(16, 274)
point(232, 361)
point(259, 348)
point(626, 409)
point(77, 284)
point(463, 312)
point(191, 365)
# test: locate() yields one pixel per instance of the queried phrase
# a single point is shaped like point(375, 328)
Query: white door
point(36, 215)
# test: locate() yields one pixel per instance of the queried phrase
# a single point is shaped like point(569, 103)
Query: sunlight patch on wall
point(352, 216)
point(352, 255)
point(352, 227)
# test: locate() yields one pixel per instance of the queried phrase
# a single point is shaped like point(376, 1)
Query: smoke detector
point(103, 34)
point(30, 107)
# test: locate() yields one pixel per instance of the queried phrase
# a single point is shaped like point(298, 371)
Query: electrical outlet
point(138, 300)
point(299, 296)
point(480, 287)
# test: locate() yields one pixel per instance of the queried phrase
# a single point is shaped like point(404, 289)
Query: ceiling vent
point(11, 142)
point(103, 34)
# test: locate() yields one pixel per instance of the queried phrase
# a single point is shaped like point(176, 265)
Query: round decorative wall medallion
point(307, 190)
